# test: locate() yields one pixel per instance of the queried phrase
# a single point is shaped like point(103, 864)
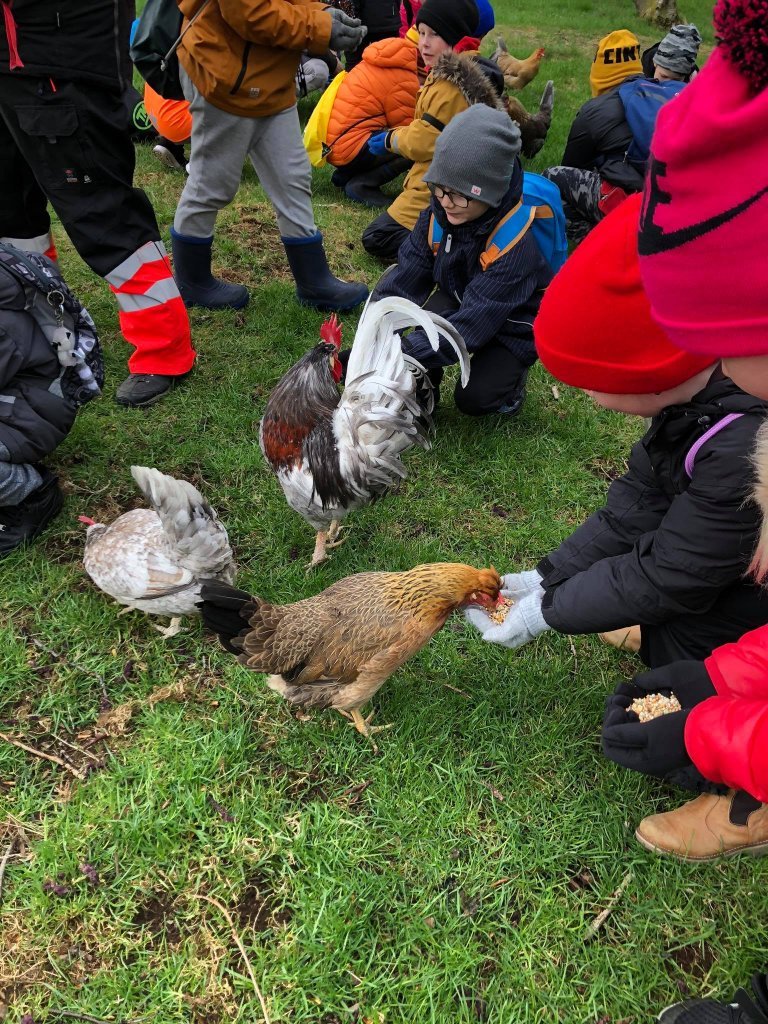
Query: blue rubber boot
point(198, 286)
point(315, 284)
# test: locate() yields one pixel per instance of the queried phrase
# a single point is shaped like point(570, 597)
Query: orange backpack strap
point(434, 234)
point(507, 233)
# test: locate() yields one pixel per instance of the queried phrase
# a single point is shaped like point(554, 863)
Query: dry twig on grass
point(602, 917)
point(47, 757)
point(4, 864)
point(220, 907)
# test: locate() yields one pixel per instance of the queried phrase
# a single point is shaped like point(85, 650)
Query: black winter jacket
point(599, 139)
point(33, 419)
point(500, 302)
point(664, 544)
point(69, 39)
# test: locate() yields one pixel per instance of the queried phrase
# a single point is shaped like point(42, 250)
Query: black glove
point(346, 33)
point(688, 680)
point(653, 748)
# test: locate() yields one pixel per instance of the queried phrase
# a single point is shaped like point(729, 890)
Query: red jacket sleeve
point(727, 740)
point(727, 736)
point(741, 669)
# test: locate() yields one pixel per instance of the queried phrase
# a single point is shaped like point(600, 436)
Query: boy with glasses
point(492, 303)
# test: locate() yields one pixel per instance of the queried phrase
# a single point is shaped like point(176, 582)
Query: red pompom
point(741, 27)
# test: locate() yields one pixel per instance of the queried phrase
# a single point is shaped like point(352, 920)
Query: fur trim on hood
point(759, 565)
point(464, 72)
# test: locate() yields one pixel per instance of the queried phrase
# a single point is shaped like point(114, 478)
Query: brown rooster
point(336, 649)
point(534, 128)
point(517, 73)
point(332, 452)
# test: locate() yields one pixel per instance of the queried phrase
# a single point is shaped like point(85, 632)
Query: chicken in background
point(517, 73)
point(336, 649)
point(334, 453)
point(153, 560)
point(534, 128)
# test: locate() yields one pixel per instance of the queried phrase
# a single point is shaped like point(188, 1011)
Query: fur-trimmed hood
point(759, 564)
point(465, 72)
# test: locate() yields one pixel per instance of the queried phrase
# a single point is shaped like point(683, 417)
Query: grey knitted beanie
point(678, 50)
point(475, 154)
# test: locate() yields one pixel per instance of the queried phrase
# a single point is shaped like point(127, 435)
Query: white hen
point(154, 559)
point(331, 453)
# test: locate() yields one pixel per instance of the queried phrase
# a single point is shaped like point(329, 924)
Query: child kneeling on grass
point(492, 308)
point(669, 549)
point(49, 366)
point(702, 261)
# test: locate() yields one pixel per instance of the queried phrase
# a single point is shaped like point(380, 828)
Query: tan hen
point(336, 649)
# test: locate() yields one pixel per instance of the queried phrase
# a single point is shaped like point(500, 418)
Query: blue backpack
point(540, 209)
point(643, 98)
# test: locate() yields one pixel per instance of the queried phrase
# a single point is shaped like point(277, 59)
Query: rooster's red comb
point(330, 331)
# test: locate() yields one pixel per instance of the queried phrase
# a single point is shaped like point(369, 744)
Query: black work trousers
point(383, 237)
point(68, 143)
point(693, 637)
point(496, 378)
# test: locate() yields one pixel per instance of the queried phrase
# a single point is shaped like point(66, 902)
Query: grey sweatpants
point(220, 144)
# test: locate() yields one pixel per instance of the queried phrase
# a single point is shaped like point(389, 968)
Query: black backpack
point(35, 281)
point(154, 44)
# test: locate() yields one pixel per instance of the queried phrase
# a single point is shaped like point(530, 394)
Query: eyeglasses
point(456, 198)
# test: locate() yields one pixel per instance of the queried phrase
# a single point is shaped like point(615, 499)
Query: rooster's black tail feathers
point(226, 611)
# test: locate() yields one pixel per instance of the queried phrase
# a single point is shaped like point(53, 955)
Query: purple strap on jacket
point(690, 458)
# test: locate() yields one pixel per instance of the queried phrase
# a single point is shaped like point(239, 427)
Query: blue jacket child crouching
point(476, 180)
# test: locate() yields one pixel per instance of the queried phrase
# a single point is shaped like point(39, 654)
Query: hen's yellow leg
point(173, 629)
point(332, 540)
point(363, 725)
point(318, 555)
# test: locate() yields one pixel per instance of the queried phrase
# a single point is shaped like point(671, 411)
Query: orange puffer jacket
point(379, 93)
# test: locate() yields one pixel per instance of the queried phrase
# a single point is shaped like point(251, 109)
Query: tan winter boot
point(708, 827)
point(626, 639)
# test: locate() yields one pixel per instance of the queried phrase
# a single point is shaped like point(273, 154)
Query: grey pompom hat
point(475, 154)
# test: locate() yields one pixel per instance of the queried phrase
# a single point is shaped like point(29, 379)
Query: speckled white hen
point(154, 559)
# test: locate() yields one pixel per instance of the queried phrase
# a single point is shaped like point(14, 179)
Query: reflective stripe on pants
point(153, 317)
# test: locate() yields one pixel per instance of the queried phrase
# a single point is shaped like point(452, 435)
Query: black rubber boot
point(198, 286)
point(315, 284)
point(22, 523)
point(364, 188)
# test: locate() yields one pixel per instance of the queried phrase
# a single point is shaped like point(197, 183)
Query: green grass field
point(448, 880)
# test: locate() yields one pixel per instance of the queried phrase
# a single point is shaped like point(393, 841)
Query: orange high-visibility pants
point(153, 317)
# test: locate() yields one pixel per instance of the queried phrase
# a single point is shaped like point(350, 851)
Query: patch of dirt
point(580, 878)
point(156, 916)
point(694, 961)
point(603, 469)
point(257, 908)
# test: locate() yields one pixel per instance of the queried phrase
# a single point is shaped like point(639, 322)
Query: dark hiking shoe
point(340, 177)
point(21, 523)
point(368, 195)
point(140, 389)
point(171, 154)
point(514, 401)
point(746, 1008)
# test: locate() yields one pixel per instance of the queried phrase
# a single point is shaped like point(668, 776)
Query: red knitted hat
point(594, 329)
point(703, 249)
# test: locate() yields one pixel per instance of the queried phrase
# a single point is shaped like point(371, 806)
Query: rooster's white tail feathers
point(377, 348)
point(380, 415)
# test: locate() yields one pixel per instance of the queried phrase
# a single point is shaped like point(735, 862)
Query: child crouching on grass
point(707, 282)
point(492, 308)
point(665, 558)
